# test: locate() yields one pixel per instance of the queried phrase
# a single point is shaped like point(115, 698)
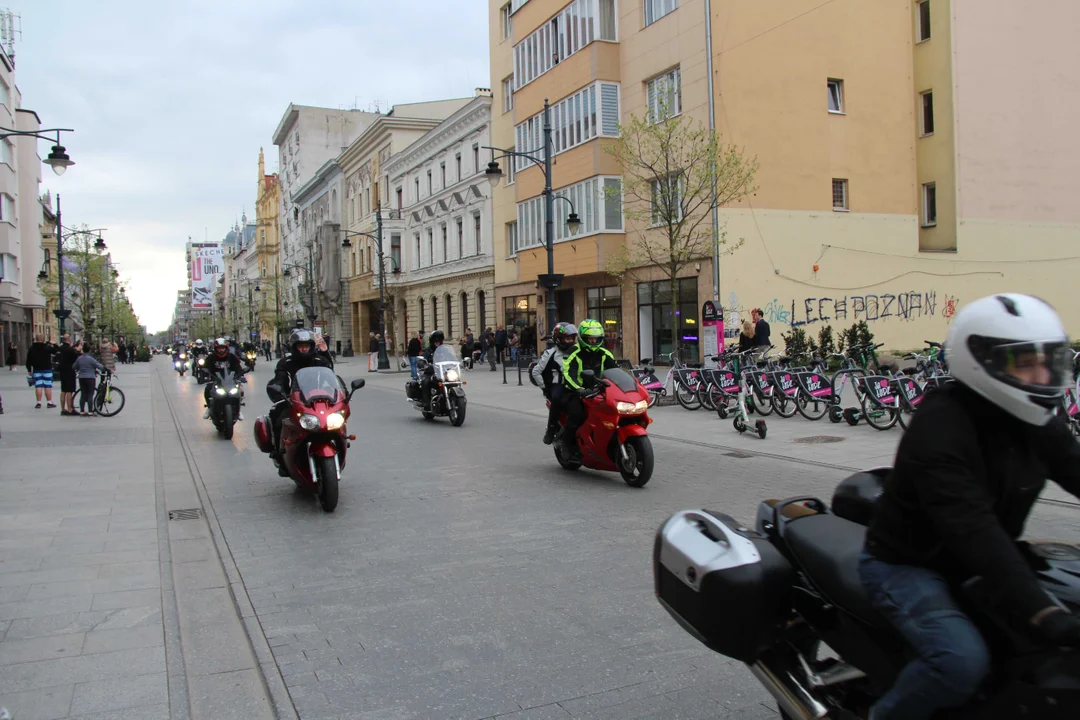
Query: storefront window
point(605, 305)
point(655, 324)
point(519, 312)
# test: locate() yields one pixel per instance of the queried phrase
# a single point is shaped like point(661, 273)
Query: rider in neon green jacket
point(589, 355)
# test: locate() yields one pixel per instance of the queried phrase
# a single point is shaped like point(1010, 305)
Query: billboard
point(207, 262)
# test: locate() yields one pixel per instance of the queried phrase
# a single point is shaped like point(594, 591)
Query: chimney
point(483, 92)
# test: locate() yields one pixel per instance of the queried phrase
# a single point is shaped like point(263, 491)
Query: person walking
point(500, 344)
point(373, 352)
point(468, 344)
point(416, 346)
point(12, 358)
point(492, 349)
point(85, 367)
point(39, 369)
point(515, 344)
point(132, 352)
point(266, 349)
point(68, 379)
point(121, 352)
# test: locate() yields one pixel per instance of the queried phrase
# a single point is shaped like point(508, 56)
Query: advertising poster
point(207, 262)
point(712, 328)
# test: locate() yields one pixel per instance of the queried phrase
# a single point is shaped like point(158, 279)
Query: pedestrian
point(746, 337)
point(492, 350)
point(39, 369)
point(416, 346)
point(267, 350)
point(12, 356)
point(468, 345)
point(761, 329)
point(107, 354)
point(68, 379)
point(515, 345)
point(373, 352)
point(121, 352)
point(85, 367)
point(132, 352)
point(500, 343)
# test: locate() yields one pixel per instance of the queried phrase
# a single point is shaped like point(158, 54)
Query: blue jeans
point(953, 657)
point(412, 367)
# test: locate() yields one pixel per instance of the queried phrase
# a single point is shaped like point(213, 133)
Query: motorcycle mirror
point(357, 384)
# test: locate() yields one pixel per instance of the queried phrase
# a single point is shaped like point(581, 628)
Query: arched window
point(464, 312)
point(481, 308)
point(333, 203)
point(420, 303)
point(449, 318)
point(434, 312)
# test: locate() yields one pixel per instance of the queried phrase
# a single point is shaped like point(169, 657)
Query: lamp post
point(384, 361)
point(549, 281)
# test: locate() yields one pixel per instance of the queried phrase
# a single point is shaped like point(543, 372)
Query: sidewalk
point(105, 605)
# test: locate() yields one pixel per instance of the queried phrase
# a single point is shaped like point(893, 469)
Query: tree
point(670, 166)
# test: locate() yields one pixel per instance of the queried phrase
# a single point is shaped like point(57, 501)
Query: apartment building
point(894, 180)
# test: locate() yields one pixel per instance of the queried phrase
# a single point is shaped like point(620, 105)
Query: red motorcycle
point(615, 434)
point(313, 435)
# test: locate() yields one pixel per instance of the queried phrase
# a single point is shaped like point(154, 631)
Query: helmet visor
point(566, 339)
point(1040, 367)
point(593, 341)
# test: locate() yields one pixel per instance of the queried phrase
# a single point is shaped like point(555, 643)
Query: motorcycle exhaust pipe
point(780, 678)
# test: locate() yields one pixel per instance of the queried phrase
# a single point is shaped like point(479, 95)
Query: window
point(445, 254)
point(5, 94)
point(508, 93)
point(568, 32)
point(836, 96)
point(476, 157)
point(9, 267)
point(476, 233)
point(481, 307)
point(457, 168)
point(839, 195)
point(464, 313)
point(430, 247)
point(511, 238)
point(511, 169)
point(519, 312)
point(395, 253)
point(449, 318)
point(442, 173)
point(924, 20)
point(420, 304)
point(605, 305)
point(667, 200)
point(928, 112)
point(507, 22)
point(596, 200)
point(574, 120)
point(656, 9)
point(398, 193)
point(7, 208)
point(435, 310)
point(460, 238)
point(429, 182)
point(416, 264)
point(664, 95)
point(416, 183)
point(657, 333)
point(7, 153)
point(929, 193)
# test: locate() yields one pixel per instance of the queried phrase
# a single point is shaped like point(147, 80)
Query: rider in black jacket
point(305, 351)
point(220, 361)
point(966, 475)
point(428, 376)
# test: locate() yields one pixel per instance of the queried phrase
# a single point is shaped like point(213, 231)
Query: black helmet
point(300, 336)
point(565, 336)
point(437, 337)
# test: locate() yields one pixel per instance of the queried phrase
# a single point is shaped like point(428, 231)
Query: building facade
point(892, 184)
point(439, 271)
point(268, 246)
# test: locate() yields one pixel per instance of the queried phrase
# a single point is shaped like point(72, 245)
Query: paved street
point(463, 575)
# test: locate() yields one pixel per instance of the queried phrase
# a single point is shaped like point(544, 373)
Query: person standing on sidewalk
point(373, 352)
point(416, 345)
point(107, 353)
point(12, 358)
point(68, 378)
point(489, 340)
point(761, 329)
point(85, 367)
point(39, 369)
point(500, 344)
point(515, 343)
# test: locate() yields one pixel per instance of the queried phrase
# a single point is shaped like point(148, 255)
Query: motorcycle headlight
point(626, 408)
point(177, 364)
point(309, 422)
point(183, 356)
point(452, 375)
point(201, 361)
point(334, 421)
point(219, 391)
point(234, 391)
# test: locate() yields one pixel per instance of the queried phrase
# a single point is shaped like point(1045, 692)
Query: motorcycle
point(774, 597)
point(313, 438)
point(615, 434)
point(201, 372)
point(248, 359)
point(181, 363)
point(226, 398)
point(447, 388)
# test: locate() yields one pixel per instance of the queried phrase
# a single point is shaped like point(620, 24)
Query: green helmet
point(591, 333)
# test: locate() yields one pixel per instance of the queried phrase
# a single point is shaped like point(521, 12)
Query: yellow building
point(895, 180)
point(267, 202)
point(45, 321)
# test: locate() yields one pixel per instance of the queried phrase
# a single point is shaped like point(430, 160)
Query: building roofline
point(32, 112)
point(321, 176)
point(375, 132)
point(287, 121)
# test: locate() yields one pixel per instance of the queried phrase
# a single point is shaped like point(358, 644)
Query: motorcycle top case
point(412, 389)
point(725, 584)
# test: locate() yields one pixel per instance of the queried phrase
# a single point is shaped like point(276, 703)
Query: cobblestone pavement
point(464, 574)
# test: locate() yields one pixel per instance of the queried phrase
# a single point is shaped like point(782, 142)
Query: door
point(564, 305)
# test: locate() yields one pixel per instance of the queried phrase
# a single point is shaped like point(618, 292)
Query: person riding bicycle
point(548, 371)
point(305, 352)
point(221, 361)
point(428, 376)
point(967, 472)
point(590, 354)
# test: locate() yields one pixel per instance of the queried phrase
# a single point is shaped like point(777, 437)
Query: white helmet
point(199, 342)
point(994, 337)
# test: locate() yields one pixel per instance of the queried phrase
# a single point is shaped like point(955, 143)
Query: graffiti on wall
point(949, 311)
point(905, 306)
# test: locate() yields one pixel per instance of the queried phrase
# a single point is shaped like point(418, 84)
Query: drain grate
point(737, 454)
point(819, 439)
point(191, 514)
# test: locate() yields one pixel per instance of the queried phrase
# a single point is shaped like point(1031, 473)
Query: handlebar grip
point(879, 345)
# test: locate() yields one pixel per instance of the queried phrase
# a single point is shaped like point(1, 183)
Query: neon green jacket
point(579, 360)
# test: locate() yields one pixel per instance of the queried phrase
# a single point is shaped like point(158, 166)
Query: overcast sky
point(171, 102)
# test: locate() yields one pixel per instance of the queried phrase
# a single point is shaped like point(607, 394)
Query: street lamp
point(384, 361)
point(58, 159)
point(549, 281)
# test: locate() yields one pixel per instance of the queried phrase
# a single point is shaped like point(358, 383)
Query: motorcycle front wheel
point(457, 411)
point(227, 421)
point(328, 483)
point(639, 469)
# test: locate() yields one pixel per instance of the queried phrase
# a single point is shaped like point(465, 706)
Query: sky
point(171, 102)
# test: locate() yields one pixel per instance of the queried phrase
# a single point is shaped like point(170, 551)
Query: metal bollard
point(504, 368)
point(519, 370)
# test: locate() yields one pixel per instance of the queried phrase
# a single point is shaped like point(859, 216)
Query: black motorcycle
point(447, 389)
point(775, 596)
point(181, 363)
point(225, 401)
point(248, 358)
point(200, 371)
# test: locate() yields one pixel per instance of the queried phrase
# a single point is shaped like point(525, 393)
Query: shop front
point(664, 328)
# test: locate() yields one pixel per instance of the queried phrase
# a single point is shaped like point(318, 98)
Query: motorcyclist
point(548, 374)
point(199, 348)
point(967, 472)
point(220, 361)
point(590, 354)
point(304, 351)
point(428, 376)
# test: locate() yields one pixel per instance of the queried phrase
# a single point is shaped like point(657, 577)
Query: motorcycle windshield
point(447, 364)
point(621, 379)
point(317, 383)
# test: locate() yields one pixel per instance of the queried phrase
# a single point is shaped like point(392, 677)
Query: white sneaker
point(240, 416)
point(206, 415)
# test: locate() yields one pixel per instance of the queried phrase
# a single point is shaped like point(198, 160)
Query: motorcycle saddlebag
point(725, 584)
point(412, 390)
point(262, 433)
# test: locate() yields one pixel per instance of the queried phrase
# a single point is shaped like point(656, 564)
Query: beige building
point(267, 248)
point(896, 179)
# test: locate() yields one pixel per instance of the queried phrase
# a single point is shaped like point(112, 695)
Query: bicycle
point(684, 379)
point(108, 399)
